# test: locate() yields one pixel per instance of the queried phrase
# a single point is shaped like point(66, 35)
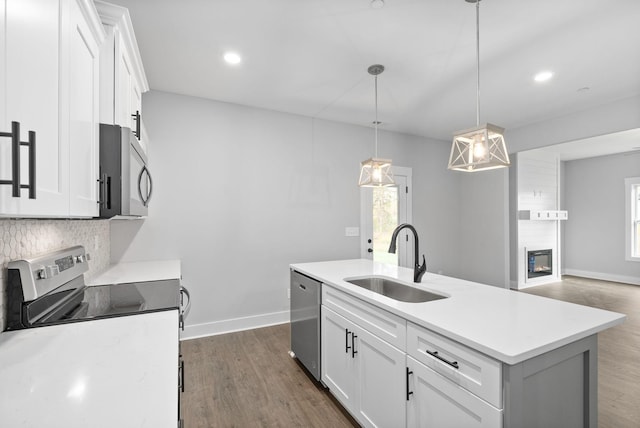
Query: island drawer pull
point(346, 340)
point(435, 354)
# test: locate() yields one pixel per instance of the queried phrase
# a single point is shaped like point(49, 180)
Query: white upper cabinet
point(31, 65)
point(50, 46)
point(123, 80)
point(80, 84)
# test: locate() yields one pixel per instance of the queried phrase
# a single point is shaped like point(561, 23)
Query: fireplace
point(539, 263)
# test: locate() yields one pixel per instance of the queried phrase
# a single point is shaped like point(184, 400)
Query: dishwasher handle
point(185, 311)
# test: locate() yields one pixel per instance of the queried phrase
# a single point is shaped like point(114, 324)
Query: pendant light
point(376, 172)
point(480, 148)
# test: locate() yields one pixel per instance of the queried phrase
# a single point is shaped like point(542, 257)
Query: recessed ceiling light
point(377, 4)
point(543, 76)
point(232, 58)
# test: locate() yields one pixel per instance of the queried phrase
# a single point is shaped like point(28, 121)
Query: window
point(381, 210)
point(632, 196)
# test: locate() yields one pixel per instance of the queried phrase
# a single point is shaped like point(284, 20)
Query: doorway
point(382, 209)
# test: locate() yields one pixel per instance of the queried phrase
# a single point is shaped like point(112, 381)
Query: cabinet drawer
point(470, 369)
point(379, 322)
point(436, 401)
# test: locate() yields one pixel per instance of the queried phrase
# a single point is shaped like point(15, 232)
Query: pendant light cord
point(477, 62)
point(376, 122)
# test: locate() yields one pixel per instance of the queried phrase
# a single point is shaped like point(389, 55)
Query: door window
point(382, 209)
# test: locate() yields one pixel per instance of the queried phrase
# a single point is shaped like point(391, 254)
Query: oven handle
point(187, 308)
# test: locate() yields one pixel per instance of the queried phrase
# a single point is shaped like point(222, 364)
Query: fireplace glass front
point(539, 263)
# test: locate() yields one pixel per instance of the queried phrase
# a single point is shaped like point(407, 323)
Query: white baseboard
point(236, 324)
point(603, 276)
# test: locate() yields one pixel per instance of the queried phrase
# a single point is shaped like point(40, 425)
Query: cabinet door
point(136, 106)
point(438, 402)
point(82, 86)
point(124, 85)
point(31, 63)
point(338, 362)
point(381, 397)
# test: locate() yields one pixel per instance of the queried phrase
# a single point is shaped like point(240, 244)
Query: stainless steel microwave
point(125, 181)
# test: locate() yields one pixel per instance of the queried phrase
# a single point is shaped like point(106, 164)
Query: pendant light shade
point(479, 149)
point(483, 147)
point(376, 172)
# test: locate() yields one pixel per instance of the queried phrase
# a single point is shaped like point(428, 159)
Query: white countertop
point(507, 325)
point(114, 372)
point(155, 270)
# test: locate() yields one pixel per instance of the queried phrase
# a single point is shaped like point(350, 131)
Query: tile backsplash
point(27, 238)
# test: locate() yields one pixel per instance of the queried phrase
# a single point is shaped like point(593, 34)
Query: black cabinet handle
point(15, 161)
point(409, 372)
point(32, 164)
point(346, 340)
point(353, 345)
point(369, 250)
point(104, 198)
point(136, 117)
point(182, 375)
point(15, 158)
point(435, 354)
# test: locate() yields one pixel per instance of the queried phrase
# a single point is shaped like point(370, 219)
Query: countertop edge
point(510, 359)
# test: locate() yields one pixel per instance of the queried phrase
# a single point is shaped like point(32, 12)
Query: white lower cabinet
point(435, 401)
point(365, 373)
point(338, 371)
point(421, 380)
point(389, 372)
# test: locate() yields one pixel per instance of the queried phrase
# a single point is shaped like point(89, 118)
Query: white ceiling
point(310, 57)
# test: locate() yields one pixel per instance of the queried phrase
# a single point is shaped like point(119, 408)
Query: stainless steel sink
point(395, 290)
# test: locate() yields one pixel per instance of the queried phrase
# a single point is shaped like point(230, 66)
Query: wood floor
point(618, 347)
point(247, 379)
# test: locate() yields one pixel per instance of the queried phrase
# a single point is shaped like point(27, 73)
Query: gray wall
point(618, 116)
point(483, 253)
point(594, 235)
point(240, 193)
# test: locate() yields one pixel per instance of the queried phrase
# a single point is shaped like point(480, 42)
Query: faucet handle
point(419, 270)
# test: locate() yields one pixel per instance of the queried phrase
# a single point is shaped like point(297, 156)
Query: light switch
point(351, 231)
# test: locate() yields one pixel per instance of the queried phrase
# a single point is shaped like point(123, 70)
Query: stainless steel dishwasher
point(305, 321)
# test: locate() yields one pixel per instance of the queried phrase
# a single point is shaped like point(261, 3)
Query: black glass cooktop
point(114, 300)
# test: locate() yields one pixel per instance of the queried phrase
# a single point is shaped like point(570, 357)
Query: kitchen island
point(482, 356)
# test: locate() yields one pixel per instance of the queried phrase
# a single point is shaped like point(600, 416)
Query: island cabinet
point(391, 372)
point(364, 372)
point(450, 385)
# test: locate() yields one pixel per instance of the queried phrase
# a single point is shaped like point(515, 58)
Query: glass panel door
point(382, 210)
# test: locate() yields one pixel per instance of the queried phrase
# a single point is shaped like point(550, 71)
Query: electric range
point(50, 289)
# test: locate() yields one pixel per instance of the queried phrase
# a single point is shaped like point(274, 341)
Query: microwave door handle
point(150, 191)
point(142, 198)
